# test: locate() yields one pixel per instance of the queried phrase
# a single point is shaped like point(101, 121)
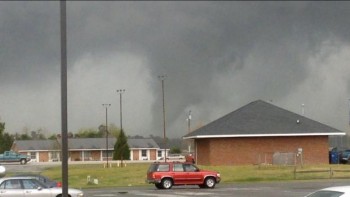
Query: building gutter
point(264, 135)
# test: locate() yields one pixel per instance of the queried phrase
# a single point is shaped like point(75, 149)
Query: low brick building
point(262, 133)
point(86, 149)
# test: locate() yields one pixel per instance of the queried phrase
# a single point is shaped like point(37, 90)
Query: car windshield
point(325, 193)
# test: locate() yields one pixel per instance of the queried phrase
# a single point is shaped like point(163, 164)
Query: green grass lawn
point(135, 174)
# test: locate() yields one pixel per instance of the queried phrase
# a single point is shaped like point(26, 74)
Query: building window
point(110, 154)
point(87, 155)
point(159, 153)
point(54, 156)
point(144, 153)
point(33, 155)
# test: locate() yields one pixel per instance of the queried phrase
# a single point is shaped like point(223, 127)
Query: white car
point(337, 191)
point(29, 186)
point(174, 157)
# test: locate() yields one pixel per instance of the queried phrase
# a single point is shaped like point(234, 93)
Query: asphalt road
point(274, 189)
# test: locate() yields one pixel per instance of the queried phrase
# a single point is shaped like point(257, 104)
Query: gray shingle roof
point(90, 143)
point(37, 145)
point(260, 118)
point(100, 143)
point(84, 144)
point(142, 143)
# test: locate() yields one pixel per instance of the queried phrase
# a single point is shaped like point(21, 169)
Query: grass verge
point(135, 174)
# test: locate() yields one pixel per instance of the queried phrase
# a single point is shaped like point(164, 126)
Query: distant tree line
point(6, 140)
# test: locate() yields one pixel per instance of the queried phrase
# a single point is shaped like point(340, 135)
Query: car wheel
point(158, 185)
point(209, 182)
point(167, 183)
point(23, 161)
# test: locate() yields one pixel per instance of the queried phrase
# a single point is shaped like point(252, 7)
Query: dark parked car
point(166, 174)
point(46, 180)
point(345, 156)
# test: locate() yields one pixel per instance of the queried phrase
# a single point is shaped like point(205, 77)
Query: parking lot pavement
point(18, 168)
point(272, 189)
point(217, 192)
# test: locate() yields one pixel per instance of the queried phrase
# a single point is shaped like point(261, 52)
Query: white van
point(175, 157)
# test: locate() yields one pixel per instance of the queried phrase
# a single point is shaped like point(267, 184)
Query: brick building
point(86, 149)
point(260, 132)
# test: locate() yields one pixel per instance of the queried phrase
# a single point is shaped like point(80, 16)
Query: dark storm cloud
point(218, 56)
point(29, 38)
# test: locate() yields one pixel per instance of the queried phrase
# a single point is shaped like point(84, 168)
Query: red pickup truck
point(166, 174)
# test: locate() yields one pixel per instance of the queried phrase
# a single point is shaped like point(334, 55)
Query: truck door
point(179, 176)
point(194, 176)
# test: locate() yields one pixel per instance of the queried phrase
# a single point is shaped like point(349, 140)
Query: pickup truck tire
point(167, 183)
point(209, 182)
point(23, 161)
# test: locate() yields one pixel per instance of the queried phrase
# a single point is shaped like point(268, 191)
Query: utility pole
point(64, 105)
point(189, 130)
point(121, 91)
point(106, 106)
point(162, 78)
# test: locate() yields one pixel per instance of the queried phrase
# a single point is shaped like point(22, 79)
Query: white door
point(37, 192)
point(33, 187)
point(10, 188)
point(11, 192)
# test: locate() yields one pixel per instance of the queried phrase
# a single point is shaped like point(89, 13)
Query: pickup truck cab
point(11, 156)
point(166, 174)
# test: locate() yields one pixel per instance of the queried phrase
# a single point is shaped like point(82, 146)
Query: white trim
point(262, 135)
point(103, 149)
point(33, 150)
point(131, 155)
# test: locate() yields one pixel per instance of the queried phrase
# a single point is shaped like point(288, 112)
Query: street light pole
point(121, 91)
point(64, 101)
point(106, 106)
point(162, 78)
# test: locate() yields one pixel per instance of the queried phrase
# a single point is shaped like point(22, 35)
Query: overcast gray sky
point(218, 56)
